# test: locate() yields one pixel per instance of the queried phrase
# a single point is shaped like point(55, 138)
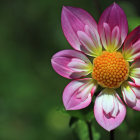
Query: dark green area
point(30, 90)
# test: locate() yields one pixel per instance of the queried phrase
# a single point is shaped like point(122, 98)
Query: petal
point(116, 108)
point(131, 48)
point(88, 45)
point(136, 89)
point(128, 95)
point(113, 20)
point(135, 72)
point(115, 117)
point(115, 38)
point(108, 103)
point(78, 93)
point(74, 20)
point(106, 36)
point(71, 64)
point(136, 80)
point(137, 107)
point(94, 36)
point(131, 95)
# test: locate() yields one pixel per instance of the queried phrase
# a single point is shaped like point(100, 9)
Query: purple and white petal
point(78, 93)
point(113, 22)
point(135, 72)
point(71, 64)
point(89, 46)
point(109, 117)
point(116, 108)
point(128, 95)
point(135, 88)
point(131, 48)
point(87, 43)
point(115, 37)
point(75, 20)
point(94, 36)
point(131, 95)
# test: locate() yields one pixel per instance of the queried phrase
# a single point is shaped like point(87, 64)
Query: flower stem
point(112, 135)
point(90, 130)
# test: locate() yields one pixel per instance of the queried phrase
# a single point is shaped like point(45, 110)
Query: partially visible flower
point(111, 67)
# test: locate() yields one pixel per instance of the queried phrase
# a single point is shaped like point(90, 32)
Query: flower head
point(111, 68)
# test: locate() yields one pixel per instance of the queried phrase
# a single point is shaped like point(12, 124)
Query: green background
point(30, 91)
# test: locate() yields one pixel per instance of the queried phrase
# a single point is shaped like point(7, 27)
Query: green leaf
point(83, 114)
point(80, 130)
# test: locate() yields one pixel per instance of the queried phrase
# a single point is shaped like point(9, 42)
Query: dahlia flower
point(110, 68)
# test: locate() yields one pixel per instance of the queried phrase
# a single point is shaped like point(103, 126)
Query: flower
point(111, 67)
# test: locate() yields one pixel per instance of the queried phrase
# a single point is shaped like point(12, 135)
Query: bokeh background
point(30, 91)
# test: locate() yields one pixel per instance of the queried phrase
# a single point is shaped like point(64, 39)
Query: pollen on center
point(110, 69)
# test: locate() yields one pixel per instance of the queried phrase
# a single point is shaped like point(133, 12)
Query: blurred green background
point(30, 90)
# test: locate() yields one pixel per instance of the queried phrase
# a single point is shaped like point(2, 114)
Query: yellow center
point(110, 69)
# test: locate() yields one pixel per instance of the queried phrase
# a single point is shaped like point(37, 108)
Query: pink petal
point(74, 20)
point(136, 80)
point(137, 107)
point(128, 95)
point(106, 38)
point(114, 118)
point(87, 43)
point(78, 94)
point(131, 95)
point(115, 37)
point(116, 108)
point(136, 89)
point(71, 64)
point(113, 17)
point(94, 36)
point(135, 72)
point(131, 48)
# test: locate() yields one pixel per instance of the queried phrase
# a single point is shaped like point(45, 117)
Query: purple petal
point(115, 37)
point(113, 17)
point(131, 49)
point(116, 114)
point(71, 64)
point(78, 94)
point(87, 43)
point(74, 20)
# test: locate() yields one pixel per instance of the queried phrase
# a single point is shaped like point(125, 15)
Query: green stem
point(112, 134)
point(90, 130)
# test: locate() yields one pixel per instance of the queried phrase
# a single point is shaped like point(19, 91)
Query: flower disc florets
point(110, 69)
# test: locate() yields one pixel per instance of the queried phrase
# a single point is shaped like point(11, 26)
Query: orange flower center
point(110, 69)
